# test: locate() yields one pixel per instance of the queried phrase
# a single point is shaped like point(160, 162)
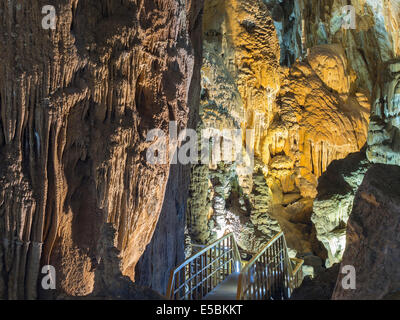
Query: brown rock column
point(166, 249)
point(76, 104)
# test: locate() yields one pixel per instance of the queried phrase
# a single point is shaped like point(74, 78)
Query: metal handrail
point(297, 273)
point(269, 274)
point(202, 272)
point(299, 263)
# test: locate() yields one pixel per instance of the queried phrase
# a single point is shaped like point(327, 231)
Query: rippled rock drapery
point(240, 50)
point(373, 44)
point(320, 119)
point(76, 106)
point(384, 130)
point(373, 237)
point(304, 117)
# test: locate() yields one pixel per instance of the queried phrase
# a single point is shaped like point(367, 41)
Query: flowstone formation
point(76, 105)
point(384, 130)
point(320, 120)
point(310, 108)
point(303, 118)
point(288, 77)
point(337, 187)
point(369, 48)
point(240, 78)
point(368, 40)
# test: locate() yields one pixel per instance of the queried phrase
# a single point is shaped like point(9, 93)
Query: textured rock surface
point(110, 283)
point(374, 41)
point(384, 130)
point(166, 249)
point(320, 119)
point(303, 118)
point(287, 16)
point(76, 105)
point(240, 78)
point(373, 236)
point(77, 102)
point(332, 207)
point(319, 288)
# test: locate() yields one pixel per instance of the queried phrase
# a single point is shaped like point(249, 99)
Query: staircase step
point(226, 290)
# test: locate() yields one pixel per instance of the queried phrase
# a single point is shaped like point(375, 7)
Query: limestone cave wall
point(313, 105)
point(76, 104)
point(306, 85)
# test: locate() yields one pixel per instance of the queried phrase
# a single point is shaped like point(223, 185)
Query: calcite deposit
point(384, 129)
point(309, 89)
point(303, 118)
point(313, 139)
point(308, 97)
point(76, 105)
point(320, 119)
point(240, 79)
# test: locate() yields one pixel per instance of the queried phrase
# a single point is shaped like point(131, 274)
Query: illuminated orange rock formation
point(304, 117)
point(77, 104)
point(240, 79)
point(320, 119)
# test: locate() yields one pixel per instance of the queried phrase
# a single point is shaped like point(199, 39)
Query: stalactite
point(71, 128)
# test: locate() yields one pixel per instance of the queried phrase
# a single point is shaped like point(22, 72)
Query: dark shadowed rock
point(373, 236)
point(319, 288)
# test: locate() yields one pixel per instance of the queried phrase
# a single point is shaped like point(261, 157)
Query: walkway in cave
point(217, 273)
point(226, 290)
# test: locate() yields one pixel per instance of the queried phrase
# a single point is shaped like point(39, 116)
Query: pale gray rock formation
point(218, 204)
point(248, 216)
point(384, 130)
point(332, 207)
point(288, 25)
point(199, 204)
point(374, 40)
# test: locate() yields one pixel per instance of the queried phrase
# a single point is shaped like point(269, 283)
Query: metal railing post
point(206, 269)
point(269, 274)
